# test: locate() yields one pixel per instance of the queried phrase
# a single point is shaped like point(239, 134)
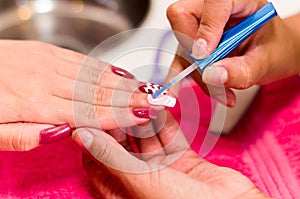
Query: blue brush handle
point(237, 34)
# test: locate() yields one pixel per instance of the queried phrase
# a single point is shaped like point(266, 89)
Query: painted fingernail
point(231, 100)
point(55, 134)
point(227, 99)
point(200, 50)
point(162, 100)
point(150, 88)
point(86, 138)
point(215, 75)
point(145, 113)
point(122, 72)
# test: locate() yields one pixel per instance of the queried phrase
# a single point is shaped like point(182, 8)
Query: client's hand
point(43, 86)
point(165, 166)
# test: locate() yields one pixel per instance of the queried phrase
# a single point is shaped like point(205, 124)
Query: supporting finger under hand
point(106, 150)
point(103, 181)
point(148, 143)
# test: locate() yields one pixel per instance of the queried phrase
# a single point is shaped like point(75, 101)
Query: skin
point(128, 176)
point(259, 60)
point(269, 55)
point(40, 87)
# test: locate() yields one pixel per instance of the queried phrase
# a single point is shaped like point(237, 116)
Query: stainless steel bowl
point(75, 24)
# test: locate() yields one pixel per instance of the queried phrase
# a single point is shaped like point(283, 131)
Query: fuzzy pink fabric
point(265, 146)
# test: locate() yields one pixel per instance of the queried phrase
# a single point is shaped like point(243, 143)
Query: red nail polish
point(149, 88)
point(230, 98)
point(145, 113)
point(231, 101)
point(55, 134)
point(122, 72)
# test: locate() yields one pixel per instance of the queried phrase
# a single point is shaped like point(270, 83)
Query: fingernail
point(55, 134)
point(145, 113)
point(200, 50)
point(86, 138)
point(122, 72)
point(231, 100)
point(228, 100)
point(162, 100)
point(215, 75)
point(150, 88)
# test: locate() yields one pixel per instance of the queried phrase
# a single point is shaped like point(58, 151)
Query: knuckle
point(93, 75)
point(101, 116)
point(102, 95)
point(249, 74)
point(78, 57)
point(102, 153)
point(245, 76)
point(18, 141)
point(248, 80)
point(209, 28)
point(88, 111)
point(124, 83)
point(210, 25)
point(175, 11)
point(90, 93)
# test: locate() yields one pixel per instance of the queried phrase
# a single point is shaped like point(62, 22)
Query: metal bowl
point(79, 25)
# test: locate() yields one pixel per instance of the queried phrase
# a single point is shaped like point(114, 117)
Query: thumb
point(26, 136)
point(235, 72)
point(141, 179)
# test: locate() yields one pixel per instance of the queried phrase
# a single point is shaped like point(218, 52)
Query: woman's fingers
point(110, 77)
point(26, 136)
point(205, 21)
point(149, 146)
point(215, 15)
point(105, 117)
point(106, 150)
point(141, 179)
point(100, 95)
point(184, 18)
point(104, 182)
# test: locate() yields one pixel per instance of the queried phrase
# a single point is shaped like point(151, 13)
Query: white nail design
point(152, 88)
point(162, 100)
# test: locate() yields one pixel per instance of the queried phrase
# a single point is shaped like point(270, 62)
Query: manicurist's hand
point(44, 88)
point(164, 166)
point(272, 53)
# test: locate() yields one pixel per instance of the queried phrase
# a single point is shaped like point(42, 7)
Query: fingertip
point(55, 134)
point(230, 98)
point(83, 138)
point(215, 75)
point(200, 49)
point(223, 95)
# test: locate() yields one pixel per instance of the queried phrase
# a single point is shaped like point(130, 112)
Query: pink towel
point(265, 146)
